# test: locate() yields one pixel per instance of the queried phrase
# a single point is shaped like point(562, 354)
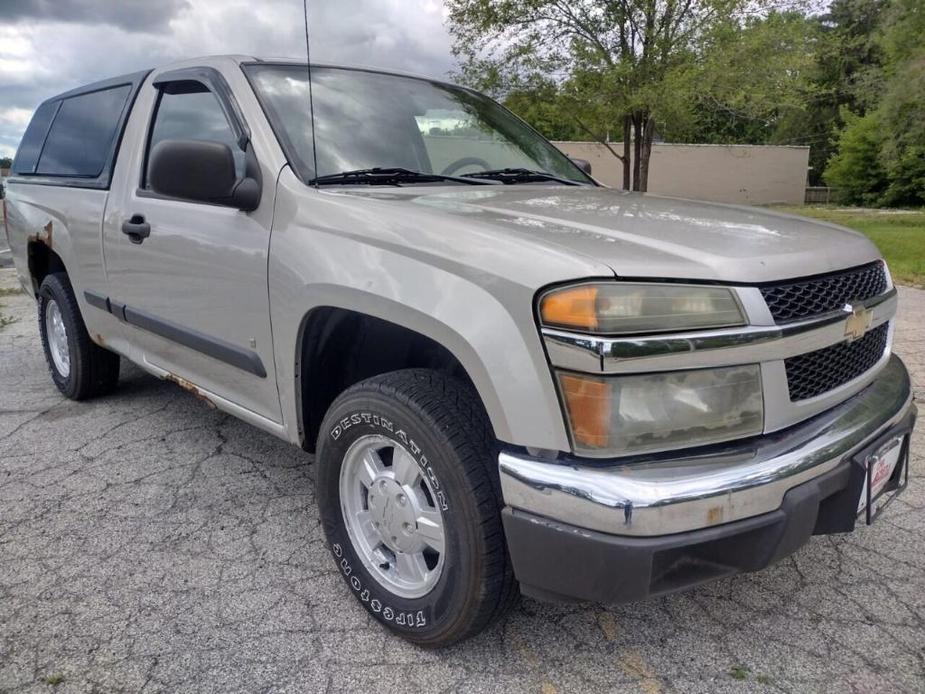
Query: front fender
point(501, 354)
point(485, 320)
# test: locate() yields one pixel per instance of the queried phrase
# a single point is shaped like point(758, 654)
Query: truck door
point(189, 279)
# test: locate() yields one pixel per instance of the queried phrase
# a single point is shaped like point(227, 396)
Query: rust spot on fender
point(715, 515)
point(45, 236)
point(189, 387)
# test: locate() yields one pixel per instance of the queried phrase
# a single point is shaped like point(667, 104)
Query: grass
point(738, 672)
point(741, 673)
point(899, 234)
point(8, 320)
point(54, 680)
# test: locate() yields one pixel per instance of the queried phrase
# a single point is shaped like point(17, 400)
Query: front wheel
point(410, 505)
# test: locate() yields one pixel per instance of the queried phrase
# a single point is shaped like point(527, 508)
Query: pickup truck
point(513, 379)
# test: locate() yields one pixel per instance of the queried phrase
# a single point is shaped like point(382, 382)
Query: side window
point(27, 156)
point(192, 115)
point(83, 133)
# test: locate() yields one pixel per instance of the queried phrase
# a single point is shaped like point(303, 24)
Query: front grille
point(809, 297)
point(815, 373)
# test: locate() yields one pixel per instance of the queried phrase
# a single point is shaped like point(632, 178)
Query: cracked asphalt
point(149, 543)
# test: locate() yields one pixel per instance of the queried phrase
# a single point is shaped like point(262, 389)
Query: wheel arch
point(42, 260)
point(338, 347)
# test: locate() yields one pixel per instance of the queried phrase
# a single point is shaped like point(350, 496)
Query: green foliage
point(855, 171)
point(53, 679)
point(902, 106)
point(546, 109)
point(845, 56)
point(902, 35)
point(739, 672)
point(751, 80)
point(881, 156)
point(5, 162)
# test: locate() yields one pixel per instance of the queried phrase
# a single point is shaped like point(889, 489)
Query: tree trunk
point(627, 159)
point(648, 135)
point(637, 148)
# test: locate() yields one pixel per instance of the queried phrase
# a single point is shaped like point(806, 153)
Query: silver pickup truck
point(511, 376)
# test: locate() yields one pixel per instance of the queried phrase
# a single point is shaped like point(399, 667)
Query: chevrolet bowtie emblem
point(858, 322)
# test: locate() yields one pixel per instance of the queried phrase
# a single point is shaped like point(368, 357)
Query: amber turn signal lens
point(588, 402)
point(575, 307)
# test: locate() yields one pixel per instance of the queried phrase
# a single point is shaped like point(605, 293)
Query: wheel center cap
point(393, 512)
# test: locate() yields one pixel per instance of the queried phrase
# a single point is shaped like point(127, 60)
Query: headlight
point(621, 415)
point(613, 308)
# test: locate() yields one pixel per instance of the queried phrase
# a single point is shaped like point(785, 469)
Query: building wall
point(745, 174)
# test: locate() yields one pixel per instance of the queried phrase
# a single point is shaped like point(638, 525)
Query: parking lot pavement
point(149, 543)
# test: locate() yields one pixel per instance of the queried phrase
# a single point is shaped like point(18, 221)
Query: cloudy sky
point(49, 46)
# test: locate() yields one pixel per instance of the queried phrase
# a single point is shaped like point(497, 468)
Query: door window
point(193, 115)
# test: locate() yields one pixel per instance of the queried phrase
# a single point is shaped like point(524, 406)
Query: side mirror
point(202, 171)
point(582, 164)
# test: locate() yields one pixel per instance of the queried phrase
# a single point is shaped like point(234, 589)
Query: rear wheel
point(410, 505)
point(79, 368)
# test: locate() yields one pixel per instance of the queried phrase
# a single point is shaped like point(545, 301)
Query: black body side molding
point(243, 359)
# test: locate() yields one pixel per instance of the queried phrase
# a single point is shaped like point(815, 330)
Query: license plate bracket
point(874, 489)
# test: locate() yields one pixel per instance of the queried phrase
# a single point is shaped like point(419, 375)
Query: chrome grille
point(793, 300)
point(815, 373)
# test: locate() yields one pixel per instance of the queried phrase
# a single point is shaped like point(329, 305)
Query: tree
point(902, 105)
point(880, 158)
point(628, 66)
point(6, 163)
point(845, 59)
point(752, 80)
point(855, 169)
point(543, 106)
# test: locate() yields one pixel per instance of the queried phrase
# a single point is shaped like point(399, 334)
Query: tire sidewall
point(53, 290)
point(418, 619)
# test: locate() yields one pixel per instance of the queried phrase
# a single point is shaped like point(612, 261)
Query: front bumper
point(627, 530)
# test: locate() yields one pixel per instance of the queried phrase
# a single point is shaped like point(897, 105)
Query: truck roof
point(238, 59)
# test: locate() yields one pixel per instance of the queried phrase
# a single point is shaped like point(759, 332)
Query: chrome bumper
point(663, 495)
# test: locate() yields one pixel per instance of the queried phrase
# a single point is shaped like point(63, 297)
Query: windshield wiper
point(510, 176)
point(388, 176)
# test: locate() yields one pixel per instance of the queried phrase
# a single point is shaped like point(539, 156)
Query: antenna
point(311, 100)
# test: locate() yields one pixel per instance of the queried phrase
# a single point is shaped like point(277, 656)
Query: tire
point(440, 423)
point(86, 370)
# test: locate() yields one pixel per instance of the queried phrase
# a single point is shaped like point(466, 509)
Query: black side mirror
point(582, 164)
point(203, 171)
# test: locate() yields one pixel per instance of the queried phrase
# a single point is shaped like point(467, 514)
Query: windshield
point(368, 119)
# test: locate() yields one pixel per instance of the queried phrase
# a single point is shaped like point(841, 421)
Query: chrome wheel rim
point(392, 519)
point(56, 334)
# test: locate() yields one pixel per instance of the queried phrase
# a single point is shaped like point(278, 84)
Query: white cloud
point(15, 117)
point(41, 55)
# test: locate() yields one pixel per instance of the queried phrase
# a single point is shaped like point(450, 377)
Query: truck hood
point(645, 235)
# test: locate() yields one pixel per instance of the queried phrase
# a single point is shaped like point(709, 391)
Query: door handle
point(136, 228)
